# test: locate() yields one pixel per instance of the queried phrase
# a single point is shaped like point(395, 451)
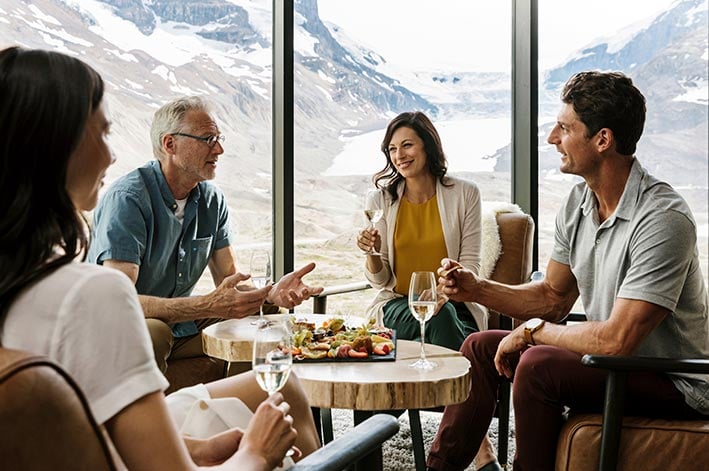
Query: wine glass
point(372, 214)
point(422, 303)
point(260, 269)
point(273, 358)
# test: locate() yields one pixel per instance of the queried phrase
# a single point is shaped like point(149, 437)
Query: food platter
point(333, 341)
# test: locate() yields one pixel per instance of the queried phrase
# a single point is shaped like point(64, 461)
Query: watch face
point(533, 323)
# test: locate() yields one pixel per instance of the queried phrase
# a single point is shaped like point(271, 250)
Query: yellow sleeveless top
point(419, 244)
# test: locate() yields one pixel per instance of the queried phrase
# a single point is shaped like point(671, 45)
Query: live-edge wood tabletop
point(380, 385)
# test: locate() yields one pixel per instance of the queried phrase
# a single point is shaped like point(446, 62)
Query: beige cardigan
point(460, 208)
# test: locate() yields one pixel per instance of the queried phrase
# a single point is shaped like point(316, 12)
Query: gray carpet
point(398, 454)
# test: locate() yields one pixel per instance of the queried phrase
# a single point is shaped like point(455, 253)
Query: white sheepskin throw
point(491, 245)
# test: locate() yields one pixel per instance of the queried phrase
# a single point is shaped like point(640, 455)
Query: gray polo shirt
point(646, 250)
point(135, 222)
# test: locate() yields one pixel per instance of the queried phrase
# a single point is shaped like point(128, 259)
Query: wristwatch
point(531, 326)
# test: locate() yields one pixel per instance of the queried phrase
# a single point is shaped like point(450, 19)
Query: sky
point(411, 32)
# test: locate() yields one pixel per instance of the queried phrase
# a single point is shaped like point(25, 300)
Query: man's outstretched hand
point(290, 290)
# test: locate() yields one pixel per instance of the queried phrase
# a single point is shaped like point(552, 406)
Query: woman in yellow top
point(427, 216)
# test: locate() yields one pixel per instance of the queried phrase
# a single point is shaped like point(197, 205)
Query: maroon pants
point(546, 379)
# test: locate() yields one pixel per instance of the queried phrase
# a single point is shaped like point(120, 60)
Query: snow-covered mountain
point(355, 84)
point(639, 44)
point(152, 50)
point(667, 60)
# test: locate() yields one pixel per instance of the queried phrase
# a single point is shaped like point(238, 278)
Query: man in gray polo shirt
point(164, 223)
point(627, 244)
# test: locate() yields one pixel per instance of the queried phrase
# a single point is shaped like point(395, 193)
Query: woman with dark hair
point(87, 318)
point(426, 217)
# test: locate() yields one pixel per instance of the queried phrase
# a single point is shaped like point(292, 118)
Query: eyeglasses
point(209, 140)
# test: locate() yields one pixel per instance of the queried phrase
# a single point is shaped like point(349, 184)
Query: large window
point(359, 64)
point(662, 46)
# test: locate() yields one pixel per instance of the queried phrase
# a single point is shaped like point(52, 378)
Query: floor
point(398, 455)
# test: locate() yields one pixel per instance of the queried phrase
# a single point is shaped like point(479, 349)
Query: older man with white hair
point(163, 223)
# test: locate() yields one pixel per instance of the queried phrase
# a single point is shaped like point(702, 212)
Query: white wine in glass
point(422, 303)
point(373, 215)
point(272, 359)
point(260, 269)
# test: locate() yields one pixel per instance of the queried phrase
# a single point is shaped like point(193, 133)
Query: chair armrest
point(342, 289)
point(320, 301)
point(575, 317)
point(625, 363)
point(352, 446)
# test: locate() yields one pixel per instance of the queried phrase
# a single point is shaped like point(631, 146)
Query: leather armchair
point(45, 423)
point(513, 267)
point(590, 442)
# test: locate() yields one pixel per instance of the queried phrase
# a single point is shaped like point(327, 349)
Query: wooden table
point(364, 387)
point(388, 385)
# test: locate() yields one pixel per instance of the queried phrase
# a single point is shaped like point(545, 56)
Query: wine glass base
point(422, 364)
point(262, 322)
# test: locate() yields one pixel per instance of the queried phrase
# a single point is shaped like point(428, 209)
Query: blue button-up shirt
point(135, 222)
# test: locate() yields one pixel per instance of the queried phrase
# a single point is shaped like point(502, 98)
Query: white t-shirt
point(88, 319)
point(180, 211)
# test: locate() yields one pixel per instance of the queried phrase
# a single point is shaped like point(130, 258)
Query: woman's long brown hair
point(46, 99)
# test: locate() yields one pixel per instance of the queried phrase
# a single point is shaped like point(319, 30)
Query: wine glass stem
point(423, 352)
point(370, 226)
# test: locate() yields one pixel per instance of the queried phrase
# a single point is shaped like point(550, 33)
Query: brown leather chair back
point(45, 421)
point(645, 444)
point(515, 263)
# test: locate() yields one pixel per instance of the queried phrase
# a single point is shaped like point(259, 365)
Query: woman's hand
point(270, 433)
point(369, 240)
